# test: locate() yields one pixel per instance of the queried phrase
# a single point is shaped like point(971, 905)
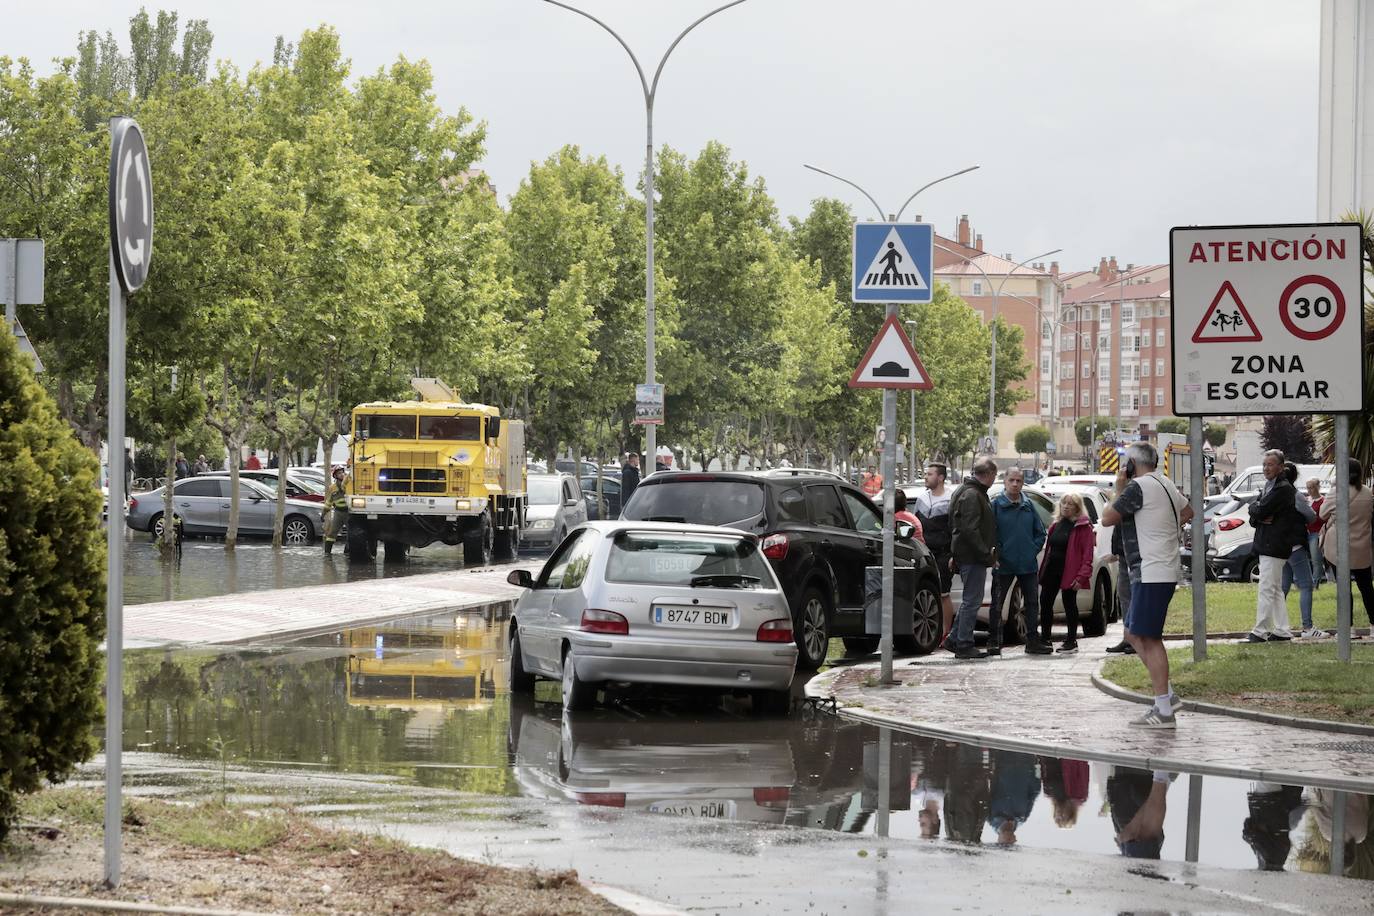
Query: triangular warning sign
point(891, 362)
point(892, 267)
point(1226, 319)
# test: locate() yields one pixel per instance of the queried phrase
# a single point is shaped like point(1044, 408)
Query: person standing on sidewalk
point(1278, 529)
point(973, 549)
point(1152, 513)
point(932, 508)
point(1066, 569)
point(1361, 548)
point(1020, 535)
point(1297, 569)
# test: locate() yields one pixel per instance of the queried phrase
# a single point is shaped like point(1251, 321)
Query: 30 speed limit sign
point(1267, 319)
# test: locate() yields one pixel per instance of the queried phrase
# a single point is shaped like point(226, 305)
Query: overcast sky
point(1098, 126)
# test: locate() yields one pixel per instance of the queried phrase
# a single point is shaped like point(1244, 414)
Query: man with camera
point(1151, 513)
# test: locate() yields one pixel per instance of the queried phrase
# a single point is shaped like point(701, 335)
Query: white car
point(1095, 609)
point(654, 603)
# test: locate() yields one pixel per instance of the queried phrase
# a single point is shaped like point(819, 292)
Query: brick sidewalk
point(246, 616)
point(1049, 705)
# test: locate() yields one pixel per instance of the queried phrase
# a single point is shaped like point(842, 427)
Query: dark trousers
point(1048, 591)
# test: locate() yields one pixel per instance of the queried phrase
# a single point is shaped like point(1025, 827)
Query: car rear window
point(700, 501)
point(689, 560)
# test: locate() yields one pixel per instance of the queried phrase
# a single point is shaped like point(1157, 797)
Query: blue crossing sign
point(893, 262)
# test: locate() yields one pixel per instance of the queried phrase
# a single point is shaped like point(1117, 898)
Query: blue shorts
point(1149, 607)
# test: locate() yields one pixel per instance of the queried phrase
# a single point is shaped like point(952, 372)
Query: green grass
point(1295, 680)
point(1231, 608)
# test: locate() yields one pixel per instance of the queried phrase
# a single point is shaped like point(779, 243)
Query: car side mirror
point(520, 578)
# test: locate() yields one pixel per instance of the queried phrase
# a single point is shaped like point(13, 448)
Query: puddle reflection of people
point(1065, 782)
point(1274, 811)
point(1138, 805)
point(1015, 787)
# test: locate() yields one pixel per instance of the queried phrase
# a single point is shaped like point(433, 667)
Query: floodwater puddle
point(421, 703)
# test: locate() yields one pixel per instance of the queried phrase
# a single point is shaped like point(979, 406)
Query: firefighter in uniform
point(336, 503)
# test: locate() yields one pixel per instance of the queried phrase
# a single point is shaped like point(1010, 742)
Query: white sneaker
point(1155, 719)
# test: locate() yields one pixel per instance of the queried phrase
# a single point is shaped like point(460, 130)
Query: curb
point(1171, 764)
point(1255, 715)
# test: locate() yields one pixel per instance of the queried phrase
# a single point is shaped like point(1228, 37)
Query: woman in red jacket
point(1066, 567)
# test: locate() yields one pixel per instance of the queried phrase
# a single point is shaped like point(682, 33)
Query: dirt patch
point(201, 856)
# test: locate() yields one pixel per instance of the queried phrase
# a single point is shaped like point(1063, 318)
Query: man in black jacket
point(1279, 527)
point(974, 550)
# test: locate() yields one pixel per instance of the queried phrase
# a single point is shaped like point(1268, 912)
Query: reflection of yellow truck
point(449, 665)
point(436, 469)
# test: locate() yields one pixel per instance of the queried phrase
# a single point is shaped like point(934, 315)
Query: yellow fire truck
point(436, 469)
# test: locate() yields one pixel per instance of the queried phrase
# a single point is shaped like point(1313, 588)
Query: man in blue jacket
point(1020, 535)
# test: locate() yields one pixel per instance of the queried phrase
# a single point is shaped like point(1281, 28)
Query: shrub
point(52, 588)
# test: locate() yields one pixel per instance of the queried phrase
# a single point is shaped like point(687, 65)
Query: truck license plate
point(701, 617)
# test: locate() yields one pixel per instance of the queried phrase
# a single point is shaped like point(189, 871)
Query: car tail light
point(779, 630)
point(1229, 524)
point(602, 799)
point(594, 621)
point(774, 546)
point(772, 795)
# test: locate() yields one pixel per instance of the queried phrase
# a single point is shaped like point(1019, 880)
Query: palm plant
point(1362, 423)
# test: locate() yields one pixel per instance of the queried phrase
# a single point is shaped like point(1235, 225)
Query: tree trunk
point(166, 545)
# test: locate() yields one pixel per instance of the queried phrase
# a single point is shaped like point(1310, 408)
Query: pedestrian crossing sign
point(893, 262)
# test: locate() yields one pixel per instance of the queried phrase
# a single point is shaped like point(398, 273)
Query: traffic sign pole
point(1199, 556)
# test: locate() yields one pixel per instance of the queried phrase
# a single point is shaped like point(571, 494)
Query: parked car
point(1095, 609)
point(653, 603)
point(610, 491)
point(1230, 542)
point(819, 532)
point(202, 504)
point(555, 507)
point(299, 485)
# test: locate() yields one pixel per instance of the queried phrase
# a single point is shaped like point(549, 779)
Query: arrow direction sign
point(891, 362)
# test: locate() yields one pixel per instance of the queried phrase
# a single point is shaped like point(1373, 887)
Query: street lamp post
point(996, 294)
point(650, 90)
point(889, 450)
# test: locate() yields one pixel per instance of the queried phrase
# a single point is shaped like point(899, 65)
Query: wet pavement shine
point(692, 799)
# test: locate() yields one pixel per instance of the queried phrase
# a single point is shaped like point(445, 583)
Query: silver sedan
point(654, 603)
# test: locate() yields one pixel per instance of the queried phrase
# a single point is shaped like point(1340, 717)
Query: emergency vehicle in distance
point(435, 469)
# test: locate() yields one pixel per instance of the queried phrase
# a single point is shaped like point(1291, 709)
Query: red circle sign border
point(1336, 293)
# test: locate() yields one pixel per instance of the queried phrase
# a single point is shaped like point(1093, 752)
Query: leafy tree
point(1214, 434)
point(52, 582)
point(1291, 435)
point(1083, 428)
point(1175, 426)
point(1032, 439)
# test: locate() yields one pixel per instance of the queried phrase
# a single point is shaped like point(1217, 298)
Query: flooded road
point(206, 570)
point(421, 703)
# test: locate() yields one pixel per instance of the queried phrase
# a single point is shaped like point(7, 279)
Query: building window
point(1159, 368)
point(1087, 371)
point(977, 287)
point(1127, 313)
point(1159, 337)
point(1159, 397)
point(1145, 369)
point(1085, 401)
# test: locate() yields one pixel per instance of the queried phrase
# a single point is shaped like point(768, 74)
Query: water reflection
point(424, 700)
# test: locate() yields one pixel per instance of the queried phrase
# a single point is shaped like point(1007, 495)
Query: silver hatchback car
point(654, 603)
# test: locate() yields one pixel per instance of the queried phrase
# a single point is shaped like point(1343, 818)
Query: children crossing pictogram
point(893, 267)
point(1226, 319)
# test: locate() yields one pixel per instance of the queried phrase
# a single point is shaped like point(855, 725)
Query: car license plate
point(707, 618)
point(702, 809)
point(409, 500)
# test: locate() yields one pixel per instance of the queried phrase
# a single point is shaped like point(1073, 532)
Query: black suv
point(820, 533)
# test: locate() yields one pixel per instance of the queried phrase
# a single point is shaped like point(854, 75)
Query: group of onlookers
point(1296, 546)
